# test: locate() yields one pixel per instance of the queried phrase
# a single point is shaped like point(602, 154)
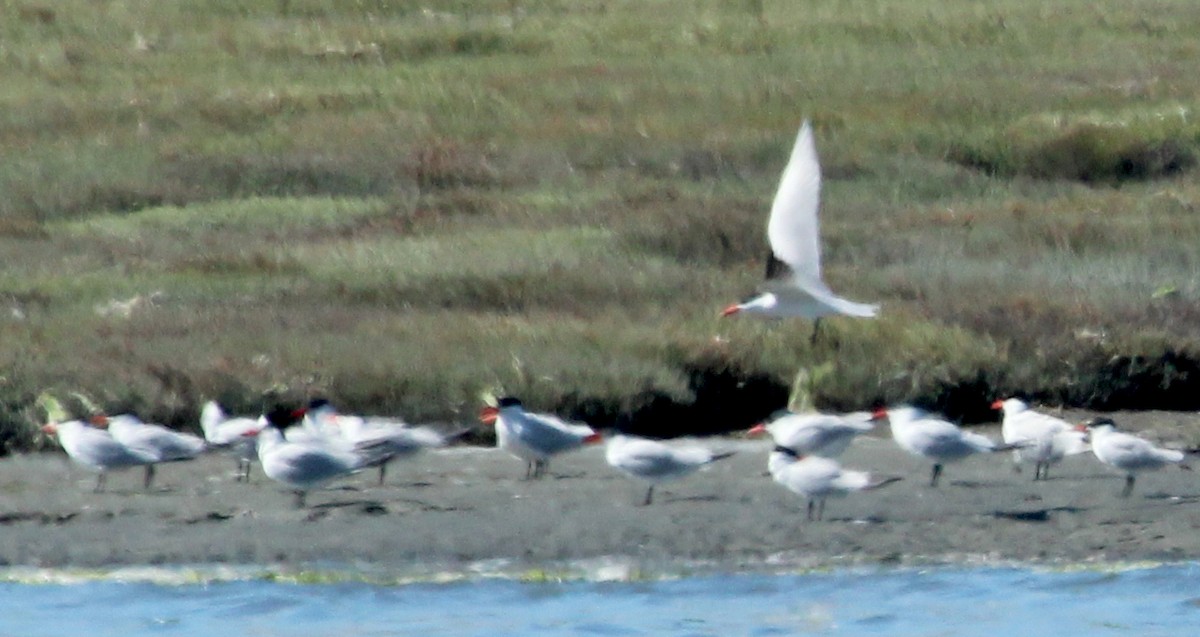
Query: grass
point(403, 204)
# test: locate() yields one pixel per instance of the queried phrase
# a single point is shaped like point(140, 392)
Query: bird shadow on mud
point(689, 498)
point(365, 507)
point(211, 516)
point(426, 506)
point(1034, 515)
point(134, 492)
point(565, 476)
point(979, 484)
point(1080, 477)
point(341, 504)
point(376, 507)
point(36, 517)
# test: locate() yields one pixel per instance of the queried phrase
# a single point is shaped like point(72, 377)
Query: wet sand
point(462, 505)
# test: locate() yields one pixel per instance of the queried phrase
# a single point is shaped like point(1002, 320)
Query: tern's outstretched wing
point(792, 230)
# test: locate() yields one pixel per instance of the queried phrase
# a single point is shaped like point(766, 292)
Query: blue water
point(1161, 600)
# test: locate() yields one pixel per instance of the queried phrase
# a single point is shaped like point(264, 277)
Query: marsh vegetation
point(399, 204)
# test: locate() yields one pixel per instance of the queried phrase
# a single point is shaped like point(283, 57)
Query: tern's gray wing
point(550, 435)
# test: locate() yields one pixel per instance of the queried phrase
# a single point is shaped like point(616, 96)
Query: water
point(959, 601)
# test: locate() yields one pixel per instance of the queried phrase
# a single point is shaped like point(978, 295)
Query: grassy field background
point(400, 204)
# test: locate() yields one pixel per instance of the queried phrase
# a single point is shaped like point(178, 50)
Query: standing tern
point(1047, 439)
point(1127, 452)
point(238, 435)
point(656, 462)
point(96, 449)
point(818, 478)
point(534, 438)
point(794, 286)
point(814, 434)
point(400, 439)
point(307, 464)
point(156, 441)
point(922, 434)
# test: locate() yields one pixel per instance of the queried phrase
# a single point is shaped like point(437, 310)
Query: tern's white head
point(1010, 406)
point(507, 404)
point(900, 415)
point(780, 458)
point(764, 303)
point(1100, 426)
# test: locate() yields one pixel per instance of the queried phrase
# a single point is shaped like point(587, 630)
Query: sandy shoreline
point(464, 505)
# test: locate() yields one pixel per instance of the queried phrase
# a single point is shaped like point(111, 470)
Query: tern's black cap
point(282, 416)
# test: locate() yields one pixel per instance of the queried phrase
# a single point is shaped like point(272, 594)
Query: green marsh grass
point(402, 204)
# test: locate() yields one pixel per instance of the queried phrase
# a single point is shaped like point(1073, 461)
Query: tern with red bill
point(96, 449)
point(1048, 439)
point(814, 434)
point(818, 478)
point(1127, 452)
point(923, 434)
point(534, 438)
point(655, 462)
point(794, 286)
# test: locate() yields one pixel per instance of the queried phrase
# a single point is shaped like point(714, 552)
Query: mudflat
point(462, 505)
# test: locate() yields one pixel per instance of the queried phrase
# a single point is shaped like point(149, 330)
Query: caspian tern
point(794, 286)
point(400, 439)
point(303, 465)
point(825, 435)
point(1047, 439)
point(534, 438)
point(156, 441)
point(238, 435)
point(818, 478)
point(1127, 452)
point(925, 435)
point(656, 462)
point(96, 449)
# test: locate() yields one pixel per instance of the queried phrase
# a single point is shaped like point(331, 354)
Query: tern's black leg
point(243, 469)
point(937, 472)
point(649, 496)
point(1128, 486)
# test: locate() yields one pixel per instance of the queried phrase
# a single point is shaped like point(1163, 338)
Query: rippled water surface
point(1159, 600)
